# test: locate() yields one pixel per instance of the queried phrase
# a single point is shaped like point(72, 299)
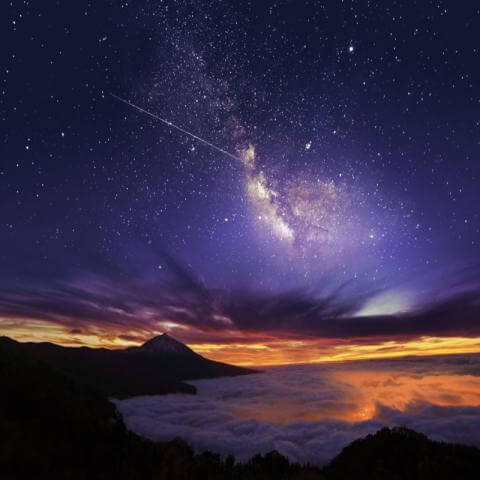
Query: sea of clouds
point(305, 411)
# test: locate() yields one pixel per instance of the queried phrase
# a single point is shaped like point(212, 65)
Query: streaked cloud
point(118, 306)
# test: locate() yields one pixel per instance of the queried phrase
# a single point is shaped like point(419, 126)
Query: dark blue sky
point(364, 117)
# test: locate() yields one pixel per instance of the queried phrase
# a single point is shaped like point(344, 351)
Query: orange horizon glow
point(252, 352)
point(262, 355)
point(366, 393)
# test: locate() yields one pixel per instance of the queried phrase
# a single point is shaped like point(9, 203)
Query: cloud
point(302, 411)
point(139, 299)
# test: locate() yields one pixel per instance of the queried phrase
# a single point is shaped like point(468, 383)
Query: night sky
point(352, 172)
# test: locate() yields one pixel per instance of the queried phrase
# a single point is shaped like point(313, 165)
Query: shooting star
point(172, 125)
point(263, 198)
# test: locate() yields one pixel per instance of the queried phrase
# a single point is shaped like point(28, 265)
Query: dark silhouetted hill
point(159, 366)
point(402, 454)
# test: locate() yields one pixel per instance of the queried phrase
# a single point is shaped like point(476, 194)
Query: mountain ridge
point(150, 369)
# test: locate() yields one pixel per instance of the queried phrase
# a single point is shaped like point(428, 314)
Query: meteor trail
point(172, 125)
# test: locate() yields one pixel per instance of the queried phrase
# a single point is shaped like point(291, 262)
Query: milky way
point(314, 218)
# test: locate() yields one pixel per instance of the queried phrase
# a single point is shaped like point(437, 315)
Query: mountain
point(159, 366)
point(164, 344)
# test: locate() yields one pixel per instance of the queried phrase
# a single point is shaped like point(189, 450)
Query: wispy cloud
point(159, 293)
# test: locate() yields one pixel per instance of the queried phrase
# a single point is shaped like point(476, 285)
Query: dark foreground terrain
point(54, 427)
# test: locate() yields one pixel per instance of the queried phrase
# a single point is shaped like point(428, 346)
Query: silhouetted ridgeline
point(159, 366)
point(53, 427)
point(399, 453)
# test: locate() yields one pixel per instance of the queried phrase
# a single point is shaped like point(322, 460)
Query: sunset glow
point(251, 352)
point(367, 392)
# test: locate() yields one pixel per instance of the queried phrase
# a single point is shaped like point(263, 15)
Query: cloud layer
point(309, 413)
point(134, 302)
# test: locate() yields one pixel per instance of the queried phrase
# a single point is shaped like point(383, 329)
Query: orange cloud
point(254, 349)
point(312, 351)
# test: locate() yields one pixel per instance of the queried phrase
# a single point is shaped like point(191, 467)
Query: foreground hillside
point(52, 427)
point(159, 366)
point(400, 453)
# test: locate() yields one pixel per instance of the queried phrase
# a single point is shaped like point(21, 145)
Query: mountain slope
point(51, 426)
point(159, 366)
point(402, 454)
point(164, 344)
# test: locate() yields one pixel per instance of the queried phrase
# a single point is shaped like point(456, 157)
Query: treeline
point(52, 427)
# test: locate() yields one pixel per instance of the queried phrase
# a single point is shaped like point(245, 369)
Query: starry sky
point(342, 176)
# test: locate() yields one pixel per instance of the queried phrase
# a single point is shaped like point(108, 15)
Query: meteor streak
point(180, 129)
point(261, 195)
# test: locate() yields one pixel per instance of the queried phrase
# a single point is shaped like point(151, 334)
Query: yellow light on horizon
point(251, 352)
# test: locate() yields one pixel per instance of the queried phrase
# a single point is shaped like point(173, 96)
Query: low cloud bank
point(303, 411)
